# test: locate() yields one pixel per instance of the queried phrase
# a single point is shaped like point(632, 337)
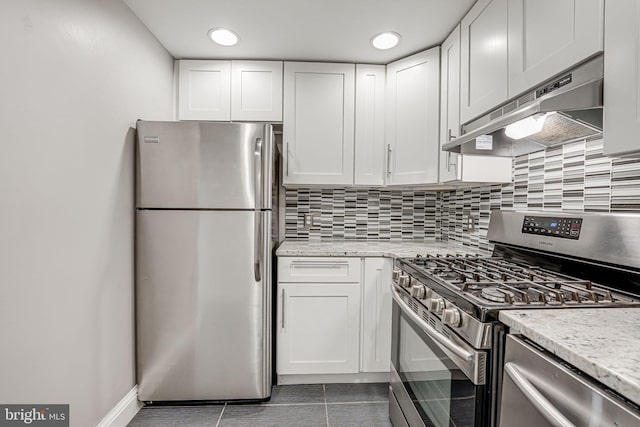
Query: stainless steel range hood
point(570, 106)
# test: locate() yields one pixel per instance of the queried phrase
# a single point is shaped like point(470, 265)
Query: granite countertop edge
point(391, 249)
point(602, 342)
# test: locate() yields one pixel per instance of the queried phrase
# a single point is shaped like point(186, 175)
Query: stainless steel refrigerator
point(203, 261)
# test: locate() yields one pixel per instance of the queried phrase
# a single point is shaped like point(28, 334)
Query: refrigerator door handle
point(258, 243)
point(257, 246)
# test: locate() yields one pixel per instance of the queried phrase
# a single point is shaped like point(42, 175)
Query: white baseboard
point(124, 411)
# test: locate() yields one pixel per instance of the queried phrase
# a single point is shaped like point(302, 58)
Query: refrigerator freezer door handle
point(258, 173)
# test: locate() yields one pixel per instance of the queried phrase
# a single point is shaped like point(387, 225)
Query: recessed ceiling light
point(385, 40)
point(223, 37)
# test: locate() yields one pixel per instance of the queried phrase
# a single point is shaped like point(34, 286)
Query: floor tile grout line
point(358, 402)
point(285, 404)
point(221, 414)
point(326, 406)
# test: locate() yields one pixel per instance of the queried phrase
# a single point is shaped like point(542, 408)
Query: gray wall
point(74, 78)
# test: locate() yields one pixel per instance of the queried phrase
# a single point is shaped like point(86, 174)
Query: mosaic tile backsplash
point(574, 177)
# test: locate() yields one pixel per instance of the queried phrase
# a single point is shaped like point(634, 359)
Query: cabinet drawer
point(318, 269)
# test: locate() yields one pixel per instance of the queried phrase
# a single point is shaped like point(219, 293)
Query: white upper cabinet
point(369, 136)
point(413, 116)
point(546, 37)
point(622, 78)
point(230, 90)
point(484, 69)
point(256, 91)
point(318, 125)
point(204, 90)
point(449, 102)
point(458, 168)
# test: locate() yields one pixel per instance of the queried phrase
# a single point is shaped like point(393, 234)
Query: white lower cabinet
point(329, 328)
point(319, 328)
point(376, 315)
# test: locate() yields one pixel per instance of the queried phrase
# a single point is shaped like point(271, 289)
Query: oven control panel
point(565, 228)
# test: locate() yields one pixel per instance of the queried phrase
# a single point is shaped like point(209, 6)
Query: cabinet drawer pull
point(319, 264)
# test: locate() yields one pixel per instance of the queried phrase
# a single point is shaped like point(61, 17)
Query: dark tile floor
point(314, 405)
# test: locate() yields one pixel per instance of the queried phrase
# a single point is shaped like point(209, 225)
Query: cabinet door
point(256, 91)
point(455, 167)
point(204, 90)
point(318, 127)
point(413, 115)
point(622, 78)
point(369, 137)
point(484, 58)
point(318, 328)
point(376, 315)
point(546, 37)
point(449, 103)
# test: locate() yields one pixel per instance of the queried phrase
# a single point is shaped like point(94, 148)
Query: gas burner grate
point(495, 280)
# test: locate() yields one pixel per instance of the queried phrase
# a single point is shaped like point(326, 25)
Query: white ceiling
point(301, 30)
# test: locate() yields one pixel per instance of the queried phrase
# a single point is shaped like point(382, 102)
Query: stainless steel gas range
point(448, 344)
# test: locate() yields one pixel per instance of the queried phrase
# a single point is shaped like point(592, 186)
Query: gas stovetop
point(540, 261)
point(497, 283)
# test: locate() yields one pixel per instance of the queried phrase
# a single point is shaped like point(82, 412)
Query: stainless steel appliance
point(203, 261)
point(447, 342)
point(566, 108)
point(538, 390)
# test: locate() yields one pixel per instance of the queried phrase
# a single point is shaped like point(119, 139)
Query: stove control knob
point(451, 317)
point(404, 279)
point(418, 291)
point(435, 305)
point(395, 275)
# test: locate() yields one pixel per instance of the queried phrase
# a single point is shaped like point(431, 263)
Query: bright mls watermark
point(34, 415)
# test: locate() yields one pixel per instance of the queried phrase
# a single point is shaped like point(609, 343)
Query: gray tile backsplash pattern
point(573, 177)
point(363, 214)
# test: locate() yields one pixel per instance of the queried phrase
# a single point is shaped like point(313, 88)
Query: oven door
point(437, 379)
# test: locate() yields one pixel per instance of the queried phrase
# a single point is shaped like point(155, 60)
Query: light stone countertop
point(602, 342)
point(392, 249)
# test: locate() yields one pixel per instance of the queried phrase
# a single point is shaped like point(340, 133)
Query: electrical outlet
point(471, 223)
point(308, 220)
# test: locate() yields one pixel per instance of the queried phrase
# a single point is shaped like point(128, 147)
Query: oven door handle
point(468, 361)
point(544, 407)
